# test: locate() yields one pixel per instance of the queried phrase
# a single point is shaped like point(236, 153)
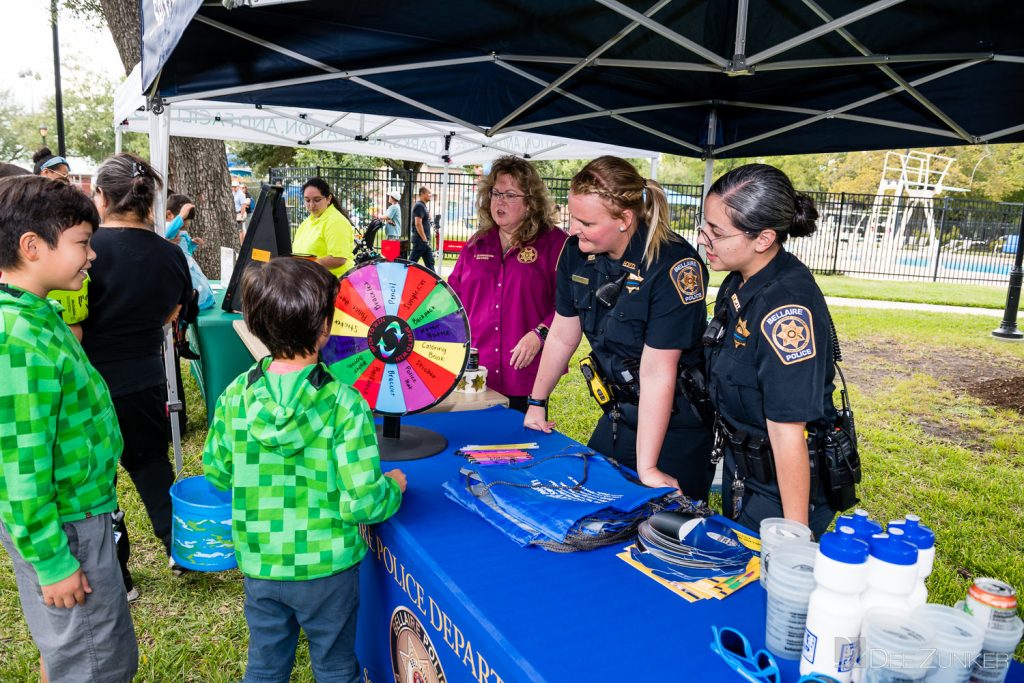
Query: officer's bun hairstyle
point(30, 203)
point(760, 197)
point(540, 212)
point(623, 188)
point(287, 304)
point(130, 185)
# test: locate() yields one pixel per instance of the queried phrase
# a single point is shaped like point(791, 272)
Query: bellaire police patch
point(413, 657)
point(685, 275)
point(790, 331)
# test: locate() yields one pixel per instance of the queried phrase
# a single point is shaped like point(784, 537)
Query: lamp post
point(43, 130)
point(1008, 328)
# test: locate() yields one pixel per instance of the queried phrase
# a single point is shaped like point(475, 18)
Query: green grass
point(926, 449)
point(949, 294)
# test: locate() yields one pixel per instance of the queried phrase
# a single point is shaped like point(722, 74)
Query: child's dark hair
point(287, 302)
point(42, 155)
point(31, 203)
point(176, 201)
point(130, 185)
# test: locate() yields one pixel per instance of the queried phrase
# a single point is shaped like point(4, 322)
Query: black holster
point(693, 385)
point(839, 465)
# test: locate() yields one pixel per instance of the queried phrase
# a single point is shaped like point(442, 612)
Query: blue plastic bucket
point(201, 530)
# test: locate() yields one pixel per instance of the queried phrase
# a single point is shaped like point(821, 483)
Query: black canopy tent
point(722, 78)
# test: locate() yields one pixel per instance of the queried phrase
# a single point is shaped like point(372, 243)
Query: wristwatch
point(539, 402)
point(542, 332)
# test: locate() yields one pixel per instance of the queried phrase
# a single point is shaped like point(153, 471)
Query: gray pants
point(94, 642)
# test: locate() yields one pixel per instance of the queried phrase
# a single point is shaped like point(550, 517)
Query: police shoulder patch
point(686, 276)
point(790, 331)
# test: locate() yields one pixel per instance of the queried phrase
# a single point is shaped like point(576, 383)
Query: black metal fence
point(948, 239)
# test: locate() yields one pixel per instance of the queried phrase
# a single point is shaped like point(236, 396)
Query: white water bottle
point(892, 573)
point(923, 539)
point(834, 613)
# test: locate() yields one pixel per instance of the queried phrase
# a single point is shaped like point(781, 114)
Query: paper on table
point(227, 263)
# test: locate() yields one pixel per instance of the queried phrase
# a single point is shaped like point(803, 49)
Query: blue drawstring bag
point(573, 500)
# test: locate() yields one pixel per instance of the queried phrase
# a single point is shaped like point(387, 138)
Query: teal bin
point(201, 530)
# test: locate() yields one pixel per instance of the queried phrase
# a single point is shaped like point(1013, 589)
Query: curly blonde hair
point(540, 210)
point(622, 188)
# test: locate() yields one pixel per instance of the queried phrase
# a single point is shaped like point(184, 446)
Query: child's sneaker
point(133, 594)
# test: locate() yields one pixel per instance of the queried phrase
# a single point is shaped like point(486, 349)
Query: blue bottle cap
point(892, 550)
point(863, 526)
point(914, 532)
point(843, 546)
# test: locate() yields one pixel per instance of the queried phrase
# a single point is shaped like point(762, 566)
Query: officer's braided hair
point(623, 188)
point(761, 197)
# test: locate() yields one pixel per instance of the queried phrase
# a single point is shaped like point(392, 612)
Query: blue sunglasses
point(734, 649)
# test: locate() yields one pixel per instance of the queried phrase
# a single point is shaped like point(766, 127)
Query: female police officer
point(770, 366)
point(637, 291)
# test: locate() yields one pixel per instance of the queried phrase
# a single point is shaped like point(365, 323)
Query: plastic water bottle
point(923, 539)
point(790, 584)
point(892, 573)
point(993, 663)
point(897, 646)
point(861, 523)
point(834, 613)
point(957, 643)
point(774, 531)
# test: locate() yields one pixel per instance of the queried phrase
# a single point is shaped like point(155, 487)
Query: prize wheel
point(401, 338)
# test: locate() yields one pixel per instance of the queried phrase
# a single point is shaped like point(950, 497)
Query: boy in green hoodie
point(59, 442)
point(298, 451)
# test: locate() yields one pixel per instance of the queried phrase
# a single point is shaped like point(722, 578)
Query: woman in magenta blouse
point(505, 276)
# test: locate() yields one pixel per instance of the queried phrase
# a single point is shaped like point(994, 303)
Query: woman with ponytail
point(139, 282)
point(636, 290)
point(770, 368)
point(327, 232)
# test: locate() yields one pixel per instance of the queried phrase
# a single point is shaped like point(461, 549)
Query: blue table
point(493, 611)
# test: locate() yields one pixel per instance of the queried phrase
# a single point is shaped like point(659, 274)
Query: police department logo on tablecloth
point(527, 255)
point(686, 276)
point(790, 330)
point(413, 657)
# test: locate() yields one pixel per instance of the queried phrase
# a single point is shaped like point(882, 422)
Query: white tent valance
point(431, 142)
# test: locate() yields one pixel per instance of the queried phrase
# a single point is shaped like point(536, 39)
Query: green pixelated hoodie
point(59, 437)
point(299, 454)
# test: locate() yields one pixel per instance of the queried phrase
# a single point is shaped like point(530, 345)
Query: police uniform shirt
point(775, 359)
point(660, 305)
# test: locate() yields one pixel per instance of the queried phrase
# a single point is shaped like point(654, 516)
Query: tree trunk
point(198, 168)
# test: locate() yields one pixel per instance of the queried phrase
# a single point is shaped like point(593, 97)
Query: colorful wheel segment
point(399, 336)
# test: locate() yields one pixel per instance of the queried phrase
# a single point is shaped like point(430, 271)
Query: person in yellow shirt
point(327, 232)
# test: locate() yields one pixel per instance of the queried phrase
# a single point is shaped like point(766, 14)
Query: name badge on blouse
point(484, 257)
point(580, 279)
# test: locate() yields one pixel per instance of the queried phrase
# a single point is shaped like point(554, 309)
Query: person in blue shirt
point(770, 368)
point(393, 216)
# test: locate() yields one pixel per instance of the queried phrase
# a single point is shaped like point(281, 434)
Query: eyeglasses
point(312, 200)
point(510, 197)
point(734, 649)
point(57, 175)
point(711, 240)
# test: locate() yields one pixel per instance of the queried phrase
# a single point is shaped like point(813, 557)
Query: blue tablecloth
point(496, 612)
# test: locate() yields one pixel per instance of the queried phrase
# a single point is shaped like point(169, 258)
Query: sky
point(26, 45)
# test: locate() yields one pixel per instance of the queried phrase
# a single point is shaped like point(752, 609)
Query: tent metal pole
point(848, 117)
point(591, 105)
point(576, 68)
point(414, 103)
point(709, 162)
point(856, 15)
point(159, 154)
point(442, 211)
point(895, 77)
point(668, 33)
point(653, 168)
point(740, 49)
point(1000, 133)
point(118, 139)
point(853, 105)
